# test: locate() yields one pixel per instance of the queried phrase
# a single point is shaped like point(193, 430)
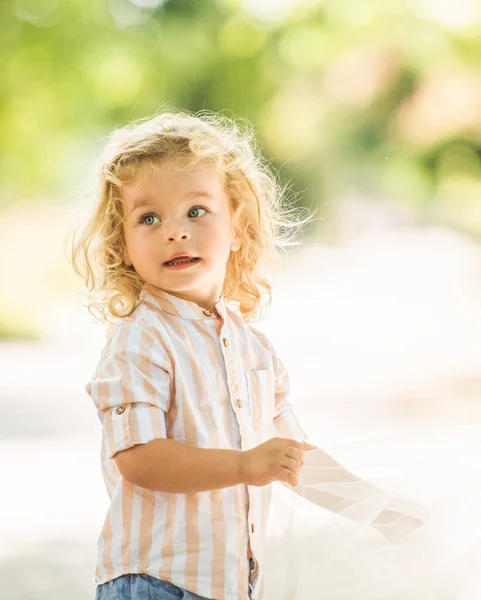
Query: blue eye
point(197, 208)
point(143, 219)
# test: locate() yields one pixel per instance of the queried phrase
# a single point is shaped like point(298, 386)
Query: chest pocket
point(260, 395)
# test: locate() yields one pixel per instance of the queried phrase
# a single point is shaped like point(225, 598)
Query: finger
point(291, 464)
point(294, 453)
point(293, 443)
point(290, 477)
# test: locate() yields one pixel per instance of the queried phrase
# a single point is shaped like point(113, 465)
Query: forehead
point(168, 182)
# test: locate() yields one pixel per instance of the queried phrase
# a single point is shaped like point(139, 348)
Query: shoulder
point(132, 337)
point(143, 321)
point(262, 340)
point(260, 336)
point(249, 330)
point(128, 330)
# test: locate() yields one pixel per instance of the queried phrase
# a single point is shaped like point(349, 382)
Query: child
point(193, 400)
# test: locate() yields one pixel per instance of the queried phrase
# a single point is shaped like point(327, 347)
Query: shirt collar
point(179, 307)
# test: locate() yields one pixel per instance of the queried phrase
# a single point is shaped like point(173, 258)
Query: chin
point(178, 286)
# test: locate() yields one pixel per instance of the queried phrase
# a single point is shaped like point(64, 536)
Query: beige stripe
point(167, 551)
point(103, 392)
point(108, 434)
point(219, 541)
point(127, 502)
point(107, 556)
point(146, 525)
point(192, 538)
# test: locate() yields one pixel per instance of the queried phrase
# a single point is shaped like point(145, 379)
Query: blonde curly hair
point(263, 221)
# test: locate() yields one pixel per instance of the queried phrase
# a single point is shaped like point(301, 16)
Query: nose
point(175, 230)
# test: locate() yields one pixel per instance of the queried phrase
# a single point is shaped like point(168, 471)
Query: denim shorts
point(140, 586)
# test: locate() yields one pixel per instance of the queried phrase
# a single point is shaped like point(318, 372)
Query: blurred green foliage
point(378, 97)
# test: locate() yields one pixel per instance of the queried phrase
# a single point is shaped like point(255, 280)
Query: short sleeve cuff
point(127, 425)
point(287, 426)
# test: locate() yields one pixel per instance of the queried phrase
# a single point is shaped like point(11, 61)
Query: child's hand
point(278, 459)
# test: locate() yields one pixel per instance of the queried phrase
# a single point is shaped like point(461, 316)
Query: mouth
point(181, 263)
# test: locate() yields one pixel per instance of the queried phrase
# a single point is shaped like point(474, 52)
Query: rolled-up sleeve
point(131, 388)
point(286, 423)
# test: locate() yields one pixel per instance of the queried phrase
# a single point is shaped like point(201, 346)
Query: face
point(180, 211)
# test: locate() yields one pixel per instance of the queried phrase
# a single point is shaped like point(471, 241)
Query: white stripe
point(231, 559)
point(158, 529)
point(185, 388)
point(180, 547)
point(108, 472)
point(206, 535)
point(205, 540)
point(134, 345)
point(100, 554)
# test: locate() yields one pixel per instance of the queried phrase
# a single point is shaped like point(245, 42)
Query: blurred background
point(369, 111)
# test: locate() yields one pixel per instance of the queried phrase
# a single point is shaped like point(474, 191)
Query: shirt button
point(239, 403)
point(252, 528)
point(120, 409)
point(207, 312)
point(226, 342)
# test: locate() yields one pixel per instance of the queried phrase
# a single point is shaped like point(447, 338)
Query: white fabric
point(431, 477)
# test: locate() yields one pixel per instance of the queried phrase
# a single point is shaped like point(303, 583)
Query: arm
point(165, 465)
point(184, 468)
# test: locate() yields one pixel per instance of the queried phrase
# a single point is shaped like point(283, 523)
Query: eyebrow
point(148, 201)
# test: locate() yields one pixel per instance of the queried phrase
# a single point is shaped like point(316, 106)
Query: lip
point(179, 255)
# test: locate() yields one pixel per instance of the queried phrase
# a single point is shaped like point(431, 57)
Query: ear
point(235, 244)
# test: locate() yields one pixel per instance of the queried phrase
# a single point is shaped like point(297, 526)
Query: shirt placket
point(238, 406)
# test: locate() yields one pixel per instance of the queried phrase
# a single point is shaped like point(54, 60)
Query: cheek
point(217, 233)
point(216, 241)
point(140, 245)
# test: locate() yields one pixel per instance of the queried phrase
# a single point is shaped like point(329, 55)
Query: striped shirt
point(175, 370)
